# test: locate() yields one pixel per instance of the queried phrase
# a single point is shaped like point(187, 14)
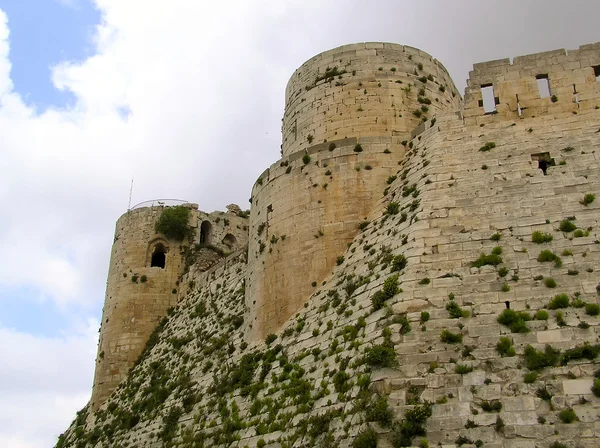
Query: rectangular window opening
point(543, 85)
point(597, 72)
point(489, 100)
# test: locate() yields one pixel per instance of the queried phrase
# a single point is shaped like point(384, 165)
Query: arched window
point(229, 241)
point(159, 256)
point(205, 231)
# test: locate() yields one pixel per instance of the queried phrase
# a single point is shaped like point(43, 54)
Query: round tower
point(142, 284)
point(349, 112)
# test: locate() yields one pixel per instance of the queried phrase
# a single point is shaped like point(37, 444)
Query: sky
point(185, 97)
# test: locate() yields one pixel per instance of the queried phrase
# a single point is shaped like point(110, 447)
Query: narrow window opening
point(597, 72)
point(205, 231)
point(543, 85)
point(434, 249)
point(507, 303)
point(159, 257)
point(576, 94)
point(544, 161)
point(488, 101)
point(519, 109)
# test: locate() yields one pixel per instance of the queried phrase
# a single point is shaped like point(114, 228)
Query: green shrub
point(596, 387)
point(398, 263)
point(463, 369)
point(366, 439)
point(261, 443)
point(173, 222)
point(456, 311)
point(491, 406)
point(505, 348)
point(382, 355)
point(566, 226)
point(451, 338)
point(543, 393)
point(592, 309)
point(550, 283)
point(340, 382)
point(537, 360)
point(270, 338)
point(483, 260)
point(584, 351)
point(496, 237)
point(380, 412)
point(488, 146)
point(567, 415)
point(539, 237)
point(413, 425)
point(425, 281)
point(332, 146)
point(530, 377)
point(358, 148)
point(588, 199)
point(548, 255)
point(392, 208)
point(424, 316)
point(515, 320)
point(340, 260)
point(541, 315)
point(306, 159)
point(558, 301)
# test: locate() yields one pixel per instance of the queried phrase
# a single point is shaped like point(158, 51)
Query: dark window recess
point(229, 241)
point(205, 231)
point(597, 72)
point(488, 101)
point(543, 84)
point(434, 249)
point(159, 256)
point(507, 303)
point(544, 161)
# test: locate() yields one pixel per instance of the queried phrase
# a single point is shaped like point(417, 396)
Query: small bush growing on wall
point(539, 237)
point(588, 199)
point(173, 222)
point(567, 226)
point(366, 439)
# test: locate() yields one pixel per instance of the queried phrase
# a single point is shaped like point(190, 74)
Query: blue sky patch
point(44, 33)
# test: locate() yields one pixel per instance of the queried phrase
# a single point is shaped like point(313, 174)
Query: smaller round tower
point(142, 284)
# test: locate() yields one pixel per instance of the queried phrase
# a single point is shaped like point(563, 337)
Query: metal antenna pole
point(130, 191)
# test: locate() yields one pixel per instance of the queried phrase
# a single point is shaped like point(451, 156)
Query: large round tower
point(142, 284)
point(348, 112)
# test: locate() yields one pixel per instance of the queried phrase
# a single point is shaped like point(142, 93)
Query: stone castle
point(418, 269)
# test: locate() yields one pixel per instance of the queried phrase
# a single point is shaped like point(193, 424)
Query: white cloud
point(42, 382)
point(203, 83)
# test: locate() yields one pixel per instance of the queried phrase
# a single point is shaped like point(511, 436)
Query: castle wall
point(456, 196)
point(133, 307)
point(572, 77)
point(376, 96)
